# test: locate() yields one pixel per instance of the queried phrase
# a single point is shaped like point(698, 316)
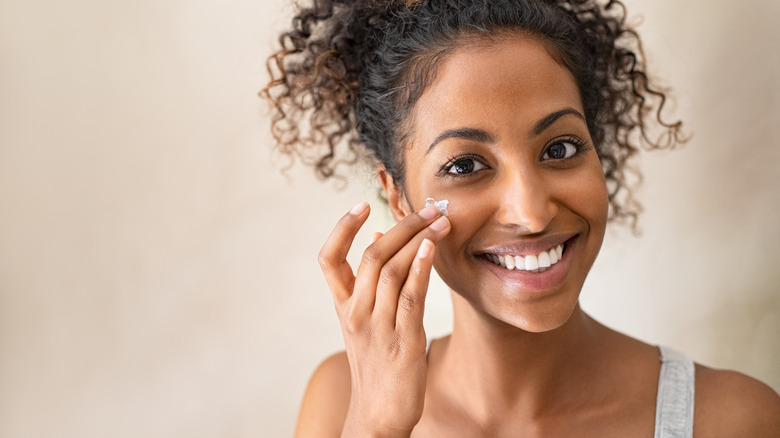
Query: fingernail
point(440, 224)
point(358, 209)
point(429, 212)
point(425, 249)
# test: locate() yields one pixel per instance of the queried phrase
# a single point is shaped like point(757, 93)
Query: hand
point(381, 315)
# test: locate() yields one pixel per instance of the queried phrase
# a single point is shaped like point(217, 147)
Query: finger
point(411, 300)
point(333, 255)
point(378, 253)
point(376, 236)
point(395, 274)
point(399, 235)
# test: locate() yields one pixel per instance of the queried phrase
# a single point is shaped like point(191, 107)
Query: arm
point(326, 401)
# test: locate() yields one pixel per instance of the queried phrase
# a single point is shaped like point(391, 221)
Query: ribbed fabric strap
point(674, 405)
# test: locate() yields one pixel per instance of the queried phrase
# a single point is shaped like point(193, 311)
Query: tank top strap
point(674, 404)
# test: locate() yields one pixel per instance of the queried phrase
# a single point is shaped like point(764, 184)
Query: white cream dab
point(441, 205)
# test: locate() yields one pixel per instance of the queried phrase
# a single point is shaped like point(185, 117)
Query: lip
point(523, 248)
point(532, 282)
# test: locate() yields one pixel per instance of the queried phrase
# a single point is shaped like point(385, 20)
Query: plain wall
point(158, 272)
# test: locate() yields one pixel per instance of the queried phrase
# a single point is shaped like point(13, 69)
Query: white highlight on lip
point(441, 205)
point(531, 262)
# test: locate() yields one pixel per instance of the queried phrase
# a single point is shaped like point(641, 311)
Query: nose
point(525, 200)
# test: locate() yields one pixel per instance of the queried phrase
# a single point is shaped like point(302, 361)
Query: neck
point(503, 368)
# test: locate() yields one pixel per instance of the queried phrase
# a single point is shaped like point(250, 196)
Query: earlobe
point(395, 197)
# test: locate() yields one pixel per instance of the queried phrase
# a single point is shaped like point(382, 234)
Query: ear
point(395, 197)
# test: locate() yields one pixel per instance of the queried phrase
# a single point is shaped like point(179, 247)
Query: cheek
point(589, 198)
point(468, 214)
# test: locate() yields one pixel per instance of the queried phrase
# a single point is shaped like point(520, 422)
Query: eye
point(561, 150)
point(463, 166)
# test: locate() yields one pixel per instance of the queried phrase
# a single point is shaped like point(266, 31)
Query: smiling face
point(501, 134)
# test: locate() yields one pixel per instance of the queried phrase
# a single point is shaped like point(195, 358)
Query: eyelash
point(578, 143)
point(444, 171)
point(451, 162)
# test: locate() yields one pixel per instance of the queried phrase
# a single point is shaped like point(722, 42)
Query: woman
point(522, 115)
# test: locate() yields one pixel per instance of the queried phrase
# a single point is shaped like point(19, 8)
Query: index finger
point(382, 250)
point(333, 255)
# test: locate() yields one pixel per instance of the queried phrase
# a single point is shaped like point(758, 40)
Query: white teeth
point(509, 261)
point(531, 262)
point(536, 263)
point(544, 259)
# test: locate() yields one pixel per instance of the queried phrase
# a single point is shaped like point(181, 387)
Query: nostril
point(532, 213)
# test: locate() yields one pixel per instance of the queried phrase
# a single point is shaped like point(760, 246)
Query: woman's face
point(501, 134)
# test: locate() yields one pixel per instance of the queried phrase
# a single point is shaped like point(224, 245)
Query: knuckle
point(324, 258)
point(372, 256)
point(352, 324)
point(408, 300)
point(388, 275)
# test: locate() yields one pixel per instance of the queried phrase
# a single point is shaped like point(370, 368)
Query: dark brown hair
point(349, 72)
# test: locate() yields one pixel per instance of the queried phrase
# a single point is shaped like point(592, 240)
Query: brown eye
point(560, 150)
point(463, 166)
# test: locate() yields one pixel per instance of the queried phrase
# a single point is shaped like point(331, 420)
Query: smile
point(532, 263)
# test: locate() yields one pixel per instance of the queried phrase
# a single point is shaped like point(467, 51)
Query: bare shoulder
point(326, 400)
point(729, 404)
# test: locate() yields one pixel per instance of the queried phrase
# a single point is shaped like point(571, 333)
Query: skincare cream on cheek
point(441, 205)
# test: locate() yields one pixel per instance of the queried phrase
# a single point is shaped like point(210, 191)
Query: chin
point(538, 318)
point(503, 307)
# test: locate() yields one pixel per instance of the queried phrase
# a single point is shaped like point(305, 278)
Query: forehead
point(508, 83)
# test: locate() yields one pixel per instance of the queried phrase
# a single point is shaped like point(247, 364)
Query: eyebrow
point(546, 122)
point(481, 136)
point(471, 134)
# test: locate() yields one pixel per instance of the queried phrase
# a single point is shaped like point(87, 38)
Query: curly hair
point(349, 73)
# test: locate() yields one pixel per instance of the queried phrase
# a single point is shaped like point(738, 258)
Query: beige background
point(158, 273)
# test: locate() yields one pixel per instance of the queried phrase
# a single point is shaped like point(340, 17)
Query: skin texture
point(523, 358)
point(517, 198)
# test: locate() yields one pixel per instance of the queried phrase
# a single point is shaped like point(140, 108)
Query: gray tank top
point(674, 403)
